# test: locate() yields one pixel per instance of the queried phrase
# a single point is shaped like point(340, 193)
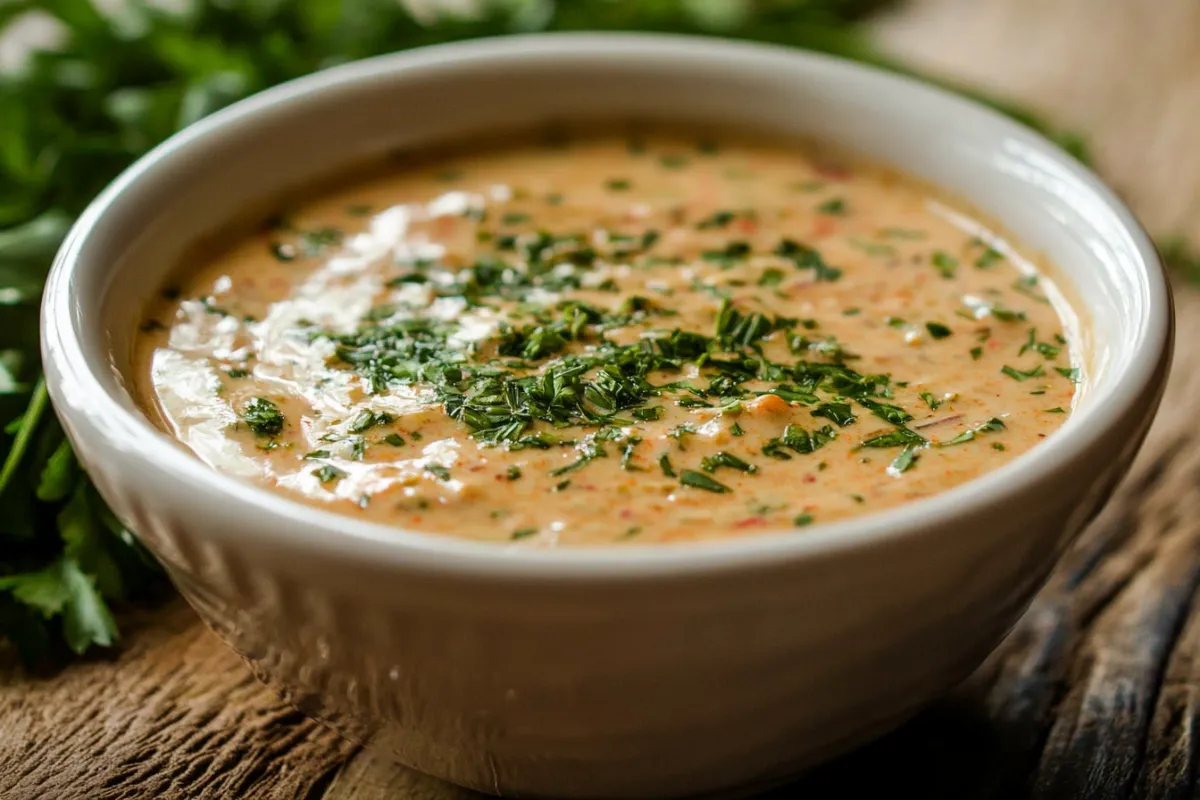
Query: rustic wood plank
point(177, 715)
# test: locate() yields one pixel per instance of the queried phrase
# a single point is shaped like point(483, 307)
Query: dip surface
point(620, 338)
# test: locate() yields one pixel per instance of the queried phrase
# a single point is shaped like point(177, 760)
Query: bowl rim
point(282, 522)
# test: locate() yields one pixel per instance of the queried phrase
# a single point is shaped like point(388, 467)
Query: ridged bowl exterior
point(674, 677)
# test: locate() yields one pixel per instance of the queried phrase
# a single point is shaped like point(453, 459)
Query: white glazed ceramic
point(614, 672)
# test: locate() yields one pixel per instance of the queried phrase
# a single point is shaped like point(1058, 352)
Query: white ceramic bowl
point(608, 672)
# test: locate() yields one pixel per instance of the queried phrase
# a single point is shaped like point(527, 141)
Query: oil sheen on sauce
point(623, 338)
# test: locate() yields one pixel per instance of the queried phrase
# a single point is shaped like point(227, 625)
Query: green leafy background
point(115, 85)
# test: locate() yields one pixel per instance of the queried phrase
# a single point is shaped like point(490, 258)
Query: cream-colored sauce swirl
point(854, 270)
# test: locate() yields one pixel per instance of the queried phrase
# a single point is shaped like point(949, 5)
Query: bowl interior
point(130, 241)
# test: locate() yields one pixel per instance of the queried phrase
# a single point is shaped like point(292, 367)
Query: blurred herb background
point(111, 85)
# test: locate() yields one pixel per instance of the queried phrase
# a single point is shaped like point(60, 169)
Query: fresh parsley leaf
point(698, 480)
point(263, 417)
point(1023, 375)
point(937, 330)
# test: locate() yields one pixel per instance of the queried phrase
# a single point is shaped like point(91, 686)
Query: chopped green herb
point(1070, 373)
point(438, 471)
point(1055, 410)
point(630, 532)
point(263, 417)
point(618, 185)
point(904, 462)
point(664, 461)
point(674, 161)
point(718, 219)
point(993, 424)
point(945, 263)
point(800, 520)
point(805, 257)
point(736, 430)
point(1019, 375)
point(514, 218)
point(931, 401)
point(840, 413)
point(328, 473)
point(523, 533)
point(937, 330)
point(771, 277)
point(698, 480)
point(990, 256)
point(1027, 286)
point(513, 473)
point(367, 419)
point(316, 454)
point(873, 248)
point(899, 437)
point(835, 207)
point(976, 353)
point(723, 459)
point(394, 439)
point(886, 411)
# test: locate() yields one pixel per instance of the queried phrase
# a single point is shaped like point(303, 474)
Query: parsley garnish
point(698, 480)
point(1070, 373)
point(805, 257)
point(664, 461)
point(263, 417)
point(718, 219)
point(945, 263)
point(723, 459)
point(993, 424)
point(904, 462)
point(841, 413)
point(1019, 375)
point(328, 473)
point(834, 207)
point(937, 330)
point(895, 438)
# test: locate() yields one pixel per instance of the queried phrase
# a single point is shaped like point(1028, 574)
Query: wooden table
point(1096, 694)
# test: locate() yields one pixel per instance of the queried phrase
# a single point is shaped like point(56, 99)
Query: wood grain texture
point(175, 715)
point(1095, 694)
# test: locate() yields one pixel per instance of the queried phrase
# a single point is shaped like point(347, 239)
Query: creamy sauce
point(615, 338)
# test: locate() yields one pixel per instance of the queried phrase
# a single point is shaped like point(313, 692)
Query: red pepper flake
point(824, 227)
point(750, 522)
point(747, 225)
